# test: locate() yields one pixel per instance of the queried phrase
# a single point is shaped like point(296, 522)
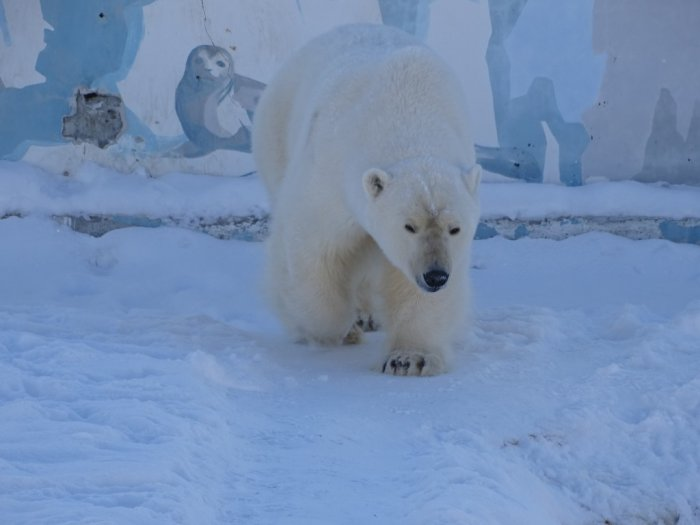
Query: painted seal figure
point(206, 105)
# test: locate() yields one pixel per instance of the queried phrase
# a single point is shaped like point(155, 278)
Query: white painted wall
point(628, 50)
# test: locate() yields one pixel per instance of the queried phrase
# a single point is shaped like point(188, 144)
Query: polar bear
point(363, 143)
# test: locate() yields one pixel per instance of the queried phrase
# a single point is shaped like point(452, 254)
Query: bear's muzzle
point(433, 280)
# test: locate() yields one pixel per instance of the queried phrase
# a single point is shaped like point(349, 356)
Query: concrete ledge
point(557, 228)
point(249, 228)
point(95, 201)
point(255, 228)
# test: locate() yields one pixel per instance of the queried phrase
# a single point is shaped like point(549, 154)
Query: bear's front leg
point(420, 325)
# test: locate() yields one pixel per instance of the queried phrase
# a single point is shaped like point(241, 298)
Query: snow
point(598, 199)
point(143, 379)
point(93, 189)
point(96, 190)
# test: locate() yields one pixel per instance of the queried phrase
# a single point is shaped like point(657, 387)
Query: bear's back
point(360, 88)
point(392, 97)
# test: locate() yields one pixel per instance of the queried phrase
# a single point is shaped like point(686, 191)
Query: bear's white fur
point(363, 143)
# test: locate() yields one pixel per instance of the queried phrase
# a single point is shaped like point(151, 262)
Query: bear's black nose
point(435, 279)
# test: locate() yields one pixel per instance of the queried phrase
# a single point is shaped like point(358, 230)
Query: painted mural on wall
point(214, 104)
point(535, 90)
point(526, 78)
point(35, 114)
point(80, 102)
point(574, 90)
point(645, 122)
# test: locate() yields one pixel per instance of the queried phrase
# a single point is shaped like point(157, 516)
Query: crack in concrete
point(206, 20)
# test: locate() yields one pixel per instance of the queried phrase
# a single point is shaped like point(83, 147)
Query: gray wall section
point(645, 120)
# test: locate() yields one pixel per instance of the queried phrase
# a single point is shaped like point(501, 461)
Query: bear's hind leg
point(317, 306)
point(354, 335)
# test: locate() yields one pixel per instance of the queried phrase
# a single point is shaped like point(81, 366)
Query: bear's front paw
point(412, 364)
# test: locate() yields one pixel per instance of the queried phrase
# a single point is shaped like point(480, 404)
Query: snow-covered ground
point(97, 190)
point(144, 381)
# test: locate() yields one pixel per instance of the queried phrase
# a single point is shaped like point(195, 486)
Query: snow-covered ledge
point(96, 200)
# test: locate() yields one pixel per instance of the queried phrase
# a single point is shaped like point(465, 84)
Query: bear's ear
point(471, 178)
point(375, 180)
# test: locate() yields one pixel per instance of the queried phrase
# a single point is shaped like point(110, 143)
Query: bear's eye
point(410, 228)
point(455, 230)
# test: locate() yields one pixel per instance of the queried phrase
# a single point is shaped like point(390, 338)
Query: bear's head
point(423, 215)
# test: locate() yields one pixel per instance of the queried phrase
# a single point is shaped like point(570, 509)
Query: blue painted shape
point(88, 41)
point(36, 114)
point(513, 162)
point(413, 16)
point(6, 37)
point(92, 42)
point(523, 130)
point(668, 155)
point(132, 15)
point(484, 231)
point(520, 232)
point(521, 136)
point(553, 39)
point(141, 222)
point(674, 231)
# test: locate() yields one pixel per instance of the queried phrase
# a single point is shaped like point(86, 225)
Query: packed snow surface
point(144, 381)
point(97, 190)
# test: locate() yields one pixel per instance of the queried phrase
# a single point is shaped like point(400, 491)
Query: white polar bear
point(363, 143)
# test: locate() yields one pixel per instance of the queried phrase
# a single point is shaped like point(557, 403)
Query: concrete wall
point(560, 91)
